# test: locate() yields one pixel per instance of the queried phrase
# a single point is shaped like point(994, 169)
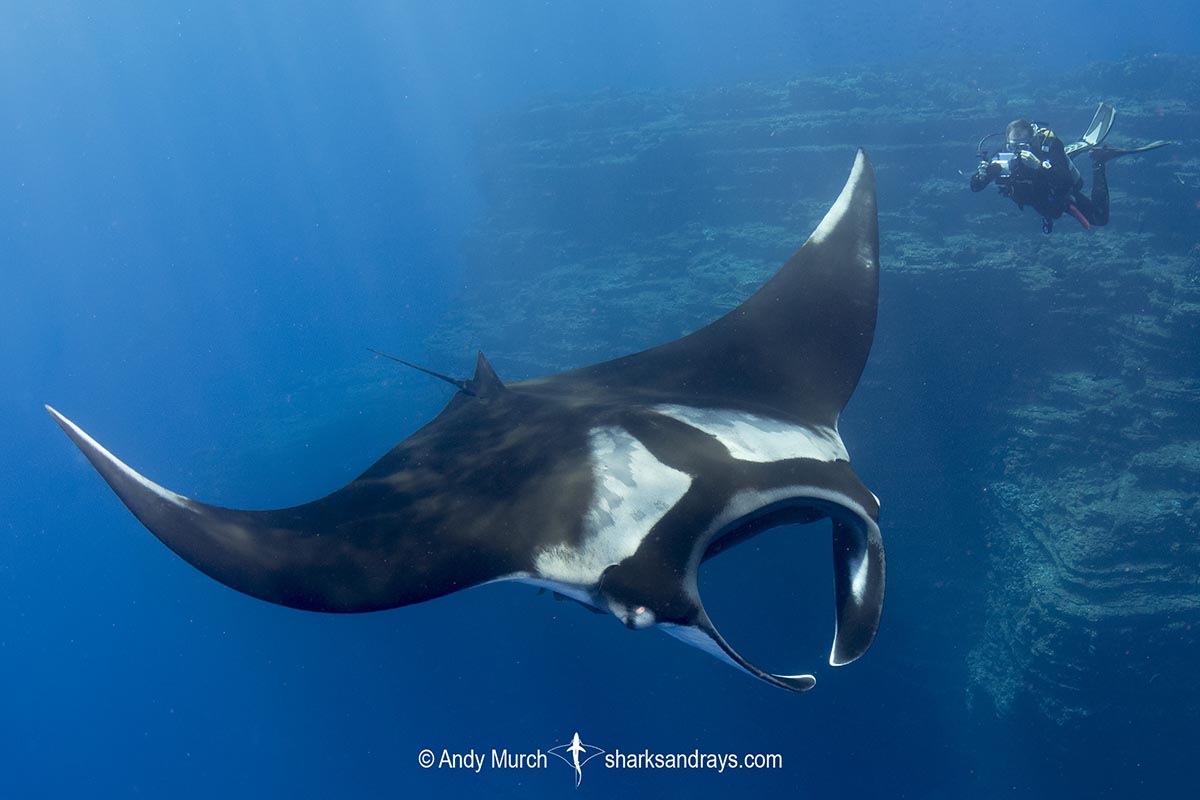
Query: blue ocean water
point(211, 211)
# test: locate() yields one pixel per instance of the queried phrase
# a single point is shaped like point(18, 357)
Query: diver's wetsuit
point(1051, 191)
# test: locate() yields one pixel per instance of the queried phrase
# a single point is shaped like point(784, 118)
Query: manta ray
point(608, 484)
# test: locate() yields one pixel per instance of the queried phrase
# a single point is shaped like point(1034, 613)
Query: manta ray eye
point(640, 617)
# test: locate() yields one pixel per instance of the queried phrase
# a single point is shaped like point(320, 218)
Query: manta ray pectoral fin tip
point(859, 188)
point(72, 430)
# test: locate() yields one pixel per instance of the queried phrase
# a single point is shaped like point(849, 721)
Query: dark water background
point(209, 211)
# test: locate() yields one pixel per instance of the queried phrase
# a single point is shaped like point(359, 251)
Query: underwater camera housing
point(1005, 162)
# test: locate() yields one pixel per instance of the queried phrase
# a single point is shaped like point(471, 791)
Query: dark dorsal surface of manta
point(609, 484)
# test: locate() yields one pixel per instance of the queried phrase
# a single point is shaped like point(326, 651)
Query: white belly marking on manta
point(633, 491)
point(750, 437)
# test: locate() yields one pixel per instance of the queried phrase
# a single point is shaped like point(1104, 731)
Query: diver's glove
point(1031, 161)
point(980, 178)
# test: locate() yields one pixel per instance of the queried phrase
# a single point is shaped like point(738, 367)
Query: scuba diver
point(1035, 168)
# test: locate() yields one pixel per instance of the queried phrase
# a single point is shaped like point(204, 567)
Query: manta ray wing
point(609, 484)
point(795, 348)
point(463, 501)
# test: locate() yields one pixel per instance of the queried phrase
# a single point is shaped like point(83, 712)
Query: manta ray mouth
point(858, 573)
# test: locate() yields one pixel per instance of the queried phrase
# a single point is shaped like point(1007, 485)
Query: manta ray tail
point(459, 384)
point(486, 382)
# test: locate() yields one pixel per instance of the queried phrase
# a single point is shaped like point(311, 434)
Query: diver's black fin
point(1101, 125)
point(1096, 132)
point(486, 382)
point(1103, 155)
point(462, 385)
